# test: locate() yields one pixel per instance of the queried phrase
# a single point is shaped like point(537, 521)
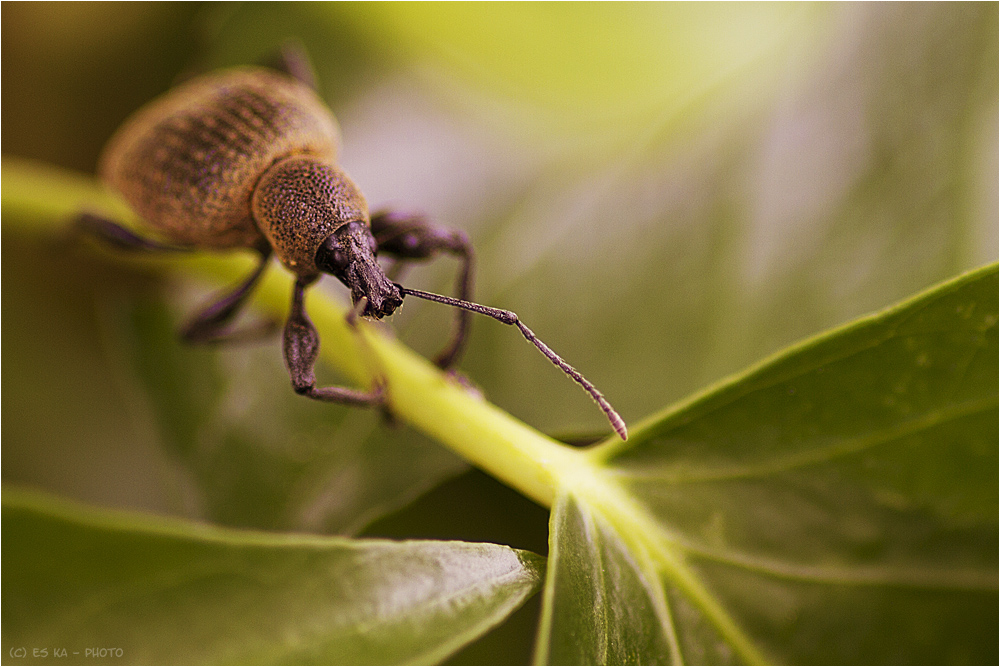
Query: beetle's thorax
point(349, 254)
point(299, 203)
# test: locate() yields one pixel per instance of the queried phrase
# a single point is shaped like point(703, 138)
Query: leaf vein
point(906, 577)
point(844, 448)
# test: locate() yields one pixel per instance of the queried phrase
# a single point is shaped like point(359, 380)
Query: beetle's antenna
point(508, 317)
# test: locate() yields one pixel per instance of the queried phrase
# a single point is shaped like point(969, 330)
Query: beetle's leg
point(301, 347)
point(410, 238)
point(292, 59)
point(120, 237)
point(209, 326)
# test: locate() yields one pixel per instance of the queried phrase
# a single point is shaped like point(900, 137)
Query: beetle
point(247, 158)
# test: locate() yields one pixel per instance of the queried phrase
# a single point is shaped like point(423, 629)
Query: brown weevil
point(246, 158)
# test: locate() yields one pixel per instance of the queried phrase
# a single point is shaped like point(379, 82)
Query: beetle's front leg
point(301, 348)
point(408, 238)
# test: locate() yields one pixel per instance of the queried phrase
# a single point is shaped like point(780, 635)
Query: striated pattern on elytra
point(299, 203)
point(189, 161)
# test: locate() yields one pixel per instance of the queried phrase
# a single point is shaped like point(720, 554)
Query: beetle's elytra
point(189, 162)
point(246, 158)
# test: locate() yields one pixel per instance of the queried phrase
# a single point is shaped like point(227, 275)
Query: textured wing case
point(188, 162)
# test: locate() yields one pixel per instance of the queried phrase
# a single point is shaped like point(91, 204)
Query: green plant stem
point(38, 199)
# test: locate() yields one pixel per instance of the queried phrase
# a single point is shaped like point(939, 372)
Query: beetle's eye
point(331, 258)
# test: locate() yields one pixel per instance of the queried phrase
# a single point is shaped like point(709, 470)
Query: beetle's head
point(349, 254)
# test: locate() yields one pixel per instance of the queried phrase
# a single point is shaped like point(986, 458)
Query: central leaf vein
point(840, 449)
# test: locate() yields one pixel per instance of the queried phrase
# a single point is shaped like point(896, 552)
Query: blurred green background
point(665, 193)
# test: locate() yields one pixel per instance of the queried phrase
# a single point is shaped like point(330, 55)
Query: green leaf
point(611, 607)
point(835, 504)
point(164, 591)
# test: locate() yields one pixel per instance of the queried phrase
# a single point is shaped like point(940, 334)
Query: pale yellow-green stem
point(39, 199)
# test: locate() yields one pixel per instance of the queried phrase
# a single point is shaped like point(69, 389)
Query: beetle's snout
point(383, 296)
point(349, 254)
